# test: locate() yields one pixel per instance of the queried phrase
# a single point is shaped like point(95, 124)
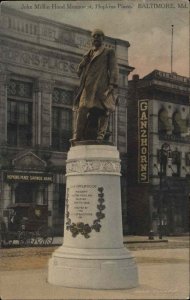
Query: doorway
point(25, 193)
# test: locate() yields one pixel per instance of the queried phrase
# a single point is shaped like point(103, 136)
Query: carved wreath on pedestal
point(82, 228)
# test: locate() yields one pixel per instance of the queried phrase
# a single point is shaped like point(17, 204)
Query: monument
point(93, 255)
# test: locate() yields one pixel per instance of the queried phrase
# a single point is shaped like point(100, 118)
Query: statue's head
point(97, 38)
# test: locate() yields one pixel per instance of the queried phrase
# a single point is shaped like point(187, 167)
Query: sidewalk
point(138, 241)
point(163, 274)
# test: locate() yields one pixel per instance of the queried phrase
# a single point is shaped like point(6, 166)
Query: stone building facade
point(158, 173)
point(38, 81)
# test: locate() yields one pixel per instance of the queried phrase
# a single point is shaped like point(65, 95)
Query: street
point(163, 274)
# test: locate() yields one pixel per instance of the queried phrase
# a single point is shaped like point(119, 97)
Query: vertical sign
point(143, 141)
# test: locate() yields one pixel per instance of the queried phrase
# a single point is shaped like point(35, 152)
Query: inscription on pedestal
point(81, 196)
point(84, 206)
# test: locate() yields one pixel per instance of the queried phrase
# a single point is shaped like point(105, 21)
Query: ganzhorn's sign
point(143, 141)
point(28, 177)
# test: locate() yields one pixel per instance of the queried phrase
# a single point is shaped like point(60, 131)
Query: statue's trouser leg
point(81, 123)
point(102, 126)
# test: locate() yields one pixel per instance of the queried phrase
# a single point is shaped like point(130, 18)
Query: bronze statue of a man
point(98, 72)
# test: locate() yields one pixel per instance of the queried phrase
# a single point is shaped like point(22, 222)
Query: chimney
point(136, 77)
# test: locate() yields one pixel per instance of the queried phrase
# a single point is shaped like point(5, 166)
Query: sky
point(145, 24)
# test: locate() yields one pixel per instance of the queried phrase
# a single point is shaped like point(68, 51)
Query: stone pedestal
point(93, 255)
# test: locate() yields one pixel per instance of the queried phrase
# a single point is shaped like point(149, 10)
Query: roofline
point(11, 10)
point(168, 77)
point(171, 75)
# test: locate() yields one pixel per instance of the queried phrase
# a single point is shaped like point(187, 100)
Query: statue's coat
point(96, 76)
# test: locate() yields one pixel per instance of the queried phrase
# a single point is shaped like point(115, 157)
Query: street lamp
point(164, 155)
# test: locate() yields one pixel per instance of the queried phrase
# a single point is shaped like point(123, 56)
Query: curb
point(144, 242)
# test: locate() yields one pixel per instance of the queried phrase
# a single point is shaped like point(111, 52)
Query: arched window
point(179, 125)
point(163, 122)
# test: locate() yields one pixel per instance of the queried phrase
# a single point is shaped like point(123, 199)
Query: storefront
point(158, 153)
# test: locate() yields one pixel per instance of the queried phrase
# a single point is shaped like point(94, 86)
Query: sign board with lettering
point(28, 177)
point(38, 59)
point(143, 141)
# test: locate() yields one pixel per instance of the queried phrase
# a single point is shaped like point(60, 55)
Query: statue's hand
point(109, 90)
point(111, 87)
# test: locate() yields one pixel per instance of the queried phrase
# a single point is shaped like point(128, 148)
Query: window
point(187, 159)
point(19, 120)
point(164, 125)
point(61, 119)
point(61, 96)
point(180, 125)
point(26, 28)
point(176, 160)
point(61, 128)
point(19, 113)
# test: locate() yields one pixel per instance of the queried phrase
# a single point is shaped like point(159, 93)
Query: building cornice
point(5, 10)
point(173, 78)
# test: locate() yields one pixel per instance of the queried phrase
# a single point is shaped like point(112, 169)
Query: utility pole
point(172, 49)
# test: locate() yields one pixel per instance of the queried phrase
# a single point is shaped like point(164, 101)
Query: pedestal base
point(93, 255)
point(97, 269)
